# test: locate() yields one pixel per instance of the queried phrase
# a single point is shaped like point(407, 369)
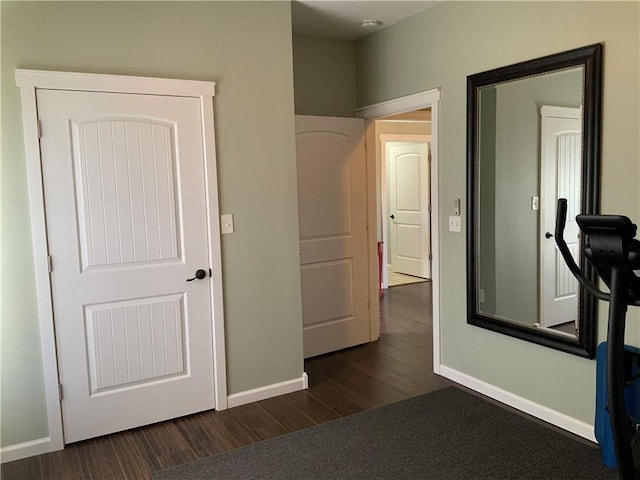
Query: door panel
point(327, 294)
point(333, 243)
point(409, 207)
point(126, 222)
point(126, 206)
point(561, 176)
point(135, 342)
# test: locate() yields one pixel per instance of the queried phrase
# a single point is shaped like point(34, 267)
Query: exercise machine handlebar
point(561, 221)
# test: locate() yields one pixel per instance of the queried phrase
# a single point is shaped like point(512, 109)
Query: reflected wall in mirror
point(533, 136)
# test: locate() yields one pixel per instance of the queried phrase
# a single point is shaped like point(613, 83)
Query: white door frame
point(430, 98)
point(29, 81)
point(384, 139)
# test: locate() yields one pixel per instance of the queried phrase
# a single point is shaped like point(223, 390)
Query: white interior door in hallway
point(408, 195)
point(561, 174)
point(332, 199)
point(126, 210)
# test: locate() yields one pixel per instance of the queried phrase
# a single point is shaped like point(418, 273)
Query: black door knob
point(392, 216)
point(200, 274)
point(548, 235)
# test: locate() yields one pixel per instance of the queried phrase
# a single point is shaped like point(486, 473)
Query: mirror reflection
point(530, 138)
point(533, 137)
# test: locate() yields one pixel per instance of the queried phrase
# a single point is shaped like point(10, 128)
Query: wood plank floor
point(396, 367)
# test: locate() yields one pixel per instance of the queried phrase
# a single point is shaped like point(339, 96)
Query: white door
point(126, 222)
point(332, 201)
point(561, 150)
point(409, 209)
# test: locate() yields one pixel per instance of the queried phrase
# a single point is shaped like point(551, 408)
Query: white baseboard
point(268, 391)
point(27, 449)
point(46, 445)
point(553, 417)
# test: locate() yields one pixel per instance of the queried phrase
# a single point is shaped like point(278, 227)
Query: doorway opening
point(420, 110)
point(405, 197)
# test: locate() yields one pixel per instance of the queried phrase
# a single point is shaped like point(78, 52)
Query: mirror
point(533, 136)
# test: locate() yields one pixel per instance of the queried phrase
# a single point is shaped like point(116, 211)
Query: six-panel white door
point(332, 201)
point(409, 209)
point(126, 222)
point(561, 174)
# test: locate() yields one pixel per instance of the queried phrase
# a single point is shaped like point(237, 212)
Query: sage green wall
point(438, 49)
point(246, 49)
point(324, 76)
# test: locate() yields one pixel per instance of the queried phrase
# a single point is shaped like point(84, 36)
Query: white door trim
point(430, 98)
point(384, 139)
point(404, 104)
point(29, 81)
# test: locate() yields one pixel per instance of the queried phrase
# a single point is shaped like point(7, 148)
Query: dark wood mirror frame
point(590, 59)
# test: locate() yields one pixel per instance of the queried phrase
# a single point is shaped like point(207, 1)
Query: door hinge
point(430, 257)
point(60, 390)
point(429, 207)
point(49, 264)
point(39, 128)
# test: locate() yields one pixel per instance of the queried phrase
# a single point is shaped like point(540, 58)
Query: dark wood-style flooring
point(396, 367)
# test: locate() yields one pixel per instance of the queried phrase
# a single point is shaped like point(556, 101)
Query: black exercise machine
point(614, 253)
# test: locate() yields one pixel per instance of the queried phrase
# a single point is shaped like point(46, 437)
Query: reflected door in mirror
point(560, 175)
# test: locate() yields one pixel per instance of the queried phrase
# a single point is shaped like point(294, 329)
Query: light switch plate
point(455, 225)
point(535, 203)
point(226, 223)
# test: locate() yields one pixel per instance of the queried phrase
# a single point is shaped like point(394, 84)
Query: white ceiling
point(343, 18)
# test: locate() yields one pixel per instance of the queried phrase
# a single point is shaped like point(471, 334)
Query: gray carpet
point(447, 434)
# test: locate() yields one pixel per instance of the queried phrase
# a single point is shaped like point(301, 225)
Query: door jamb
point(384, 139)
point(31, 80)
point(429, 98)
